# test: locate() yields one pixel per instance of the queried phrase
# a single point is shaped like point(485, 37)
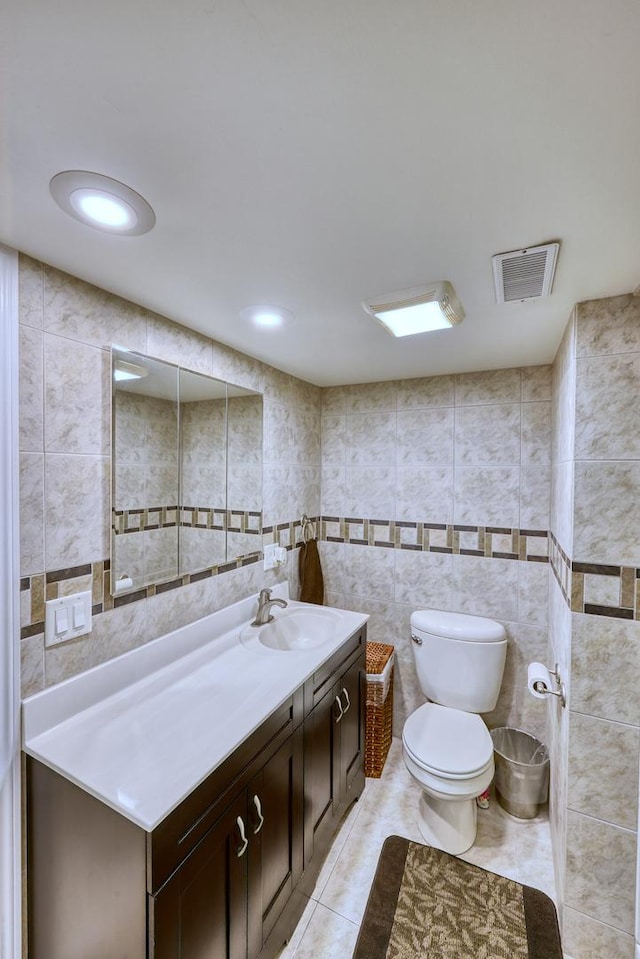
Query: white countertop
point(142, 731)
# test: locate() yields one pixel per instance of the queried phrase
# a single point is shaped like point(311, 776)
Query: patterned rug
point(425, 904)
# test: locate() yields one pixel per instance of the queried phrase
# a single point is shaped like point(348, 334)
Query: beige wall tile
point(603, 770)
point(333, 439)
point(368, 572)
point(537, 383)
point(485, 587)
point(31, 513)
point(30, 291)
point(606, 520)
point(561, 505)
point(422, 393)
point(487, 496)
point(491, 386)
point(77, 397)
point(370, 439)
point(80, 311)
point(333, 491)
point(424, 494)
point(605, 665)
point(31, 401)
point(371, 397)
point(423, 579)
point(32, 665)
point(608, 412)
point(526, 644)
point(333, 400)
point(533, 593)
point(536, 434)
point(488, 435)
point(535, 497)
point(167, 340)
point(586, 938)
point(77, 498)
point(611, 325)
point(425, 437)
point(564, 396)
point(601, 869)
point(370, 492)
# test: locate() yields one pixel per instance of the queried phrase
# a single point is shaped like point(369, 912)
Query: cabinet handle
point(258, 805)
point(341, 710)
point(346, 696)
point(243, 837)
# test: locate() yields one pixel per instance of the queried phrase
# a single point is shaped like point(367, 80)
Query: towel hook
point(308, 528)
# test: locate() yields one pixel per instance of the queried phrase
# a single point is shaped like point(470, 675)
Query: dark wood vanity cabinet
point(222, 876)
point(225, 898)
point(334, 747)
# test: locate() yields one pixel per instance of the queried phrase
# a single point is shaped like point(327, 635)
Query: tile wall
point(595, 625)
point(435, 493)
point(67, 328)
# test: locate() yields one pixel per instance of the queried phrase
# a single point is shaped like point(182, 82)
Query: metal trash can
point(522, 771)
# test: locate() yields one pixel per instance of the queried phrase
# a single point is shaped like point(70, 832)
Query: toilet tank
point(459, 658)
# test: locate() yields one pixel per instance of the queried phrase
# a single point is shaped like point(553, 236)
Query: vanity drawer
point(324, 677)
point(177, 835)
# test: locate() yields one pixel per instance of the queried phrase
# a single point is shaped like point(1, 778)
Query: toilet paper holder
point(561, 691)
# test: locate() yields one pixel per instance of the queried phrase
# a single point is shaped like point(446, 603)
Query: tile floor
point(328, 929)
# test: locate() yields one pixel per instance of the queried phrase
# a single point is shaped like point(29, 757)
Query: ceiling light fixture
point(101, 202)
point(267, 317)
point(418, 310)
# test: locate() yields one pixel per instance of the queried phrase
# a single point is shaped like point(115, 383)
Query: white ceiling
point(312, 153)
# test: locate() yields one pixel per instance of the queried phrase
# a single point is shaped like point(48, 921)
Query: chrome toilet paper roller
point(545, 682)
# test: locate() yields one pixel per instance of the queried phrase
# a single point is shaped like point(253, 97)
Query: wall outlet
point(270, 561)
point(67, 617)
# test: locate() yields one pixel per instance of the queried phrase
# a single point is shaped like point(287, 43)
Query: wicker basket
point(379, 708)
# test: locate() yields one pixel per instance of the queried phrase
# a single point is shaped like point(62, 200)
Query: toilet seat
point(448, 743)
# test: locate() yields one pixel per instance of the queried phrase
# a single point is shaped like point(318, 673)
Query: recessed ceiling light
point(267, 317)
point(101, 202)
point(418, 310)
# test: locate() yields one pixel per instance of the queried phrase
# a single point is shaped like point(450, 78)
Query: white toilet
point(446, 745)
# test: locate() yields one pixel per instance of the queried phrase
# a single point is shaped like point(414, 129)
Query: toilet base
point(450, 826)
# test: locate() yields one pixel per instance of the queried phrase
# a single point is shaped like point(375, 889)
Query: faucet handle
point(265, 593)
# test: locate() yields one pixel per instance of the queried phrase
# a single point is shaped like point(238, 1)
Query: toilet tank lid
point(470, 629)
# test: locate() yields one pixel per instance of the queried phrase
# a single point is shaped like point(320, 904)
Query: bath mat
point(426, 904)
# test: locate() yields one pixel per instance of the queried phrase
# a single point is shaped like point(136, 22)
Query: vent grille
point(525, 274)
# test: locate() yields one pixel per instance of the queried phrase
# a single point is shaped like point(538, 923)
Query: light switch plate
point(78, 608)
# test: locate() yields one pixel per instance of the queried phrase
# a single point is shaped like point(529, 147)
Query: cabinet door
point(275, 817)
point(350, 691)
point(201, 912)
point(321, 775)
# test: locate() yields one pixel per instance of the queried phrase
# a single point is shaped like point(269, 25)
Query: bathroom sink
point(295, 629)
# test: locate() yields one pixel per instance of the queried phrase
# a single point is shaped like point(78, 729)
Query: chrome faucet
point(264, 607)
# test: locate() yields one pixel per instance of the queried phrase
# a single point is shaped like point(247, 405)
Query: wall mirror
point(186, 491)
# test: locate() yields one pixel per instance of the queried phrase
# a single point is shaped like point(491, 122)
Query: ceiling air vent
point(525, 274)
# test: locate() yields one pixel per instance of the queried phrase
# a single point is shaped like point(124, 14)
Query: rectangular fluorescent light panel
point(419, 310)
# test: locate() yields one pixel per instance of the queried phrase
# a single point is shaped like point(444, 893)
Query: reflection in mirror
point(186, 472)
point(203, 448)
point(244, 472)
point(145, 479)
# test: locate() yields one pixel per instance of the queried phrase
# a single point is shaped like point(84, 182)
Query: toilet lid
point(448, 741)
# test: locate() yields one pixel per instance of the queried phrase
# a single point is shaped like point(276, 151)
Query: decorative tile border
point(97, 576)
point(599, 589)
point(194, 517)
point(490, 542)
